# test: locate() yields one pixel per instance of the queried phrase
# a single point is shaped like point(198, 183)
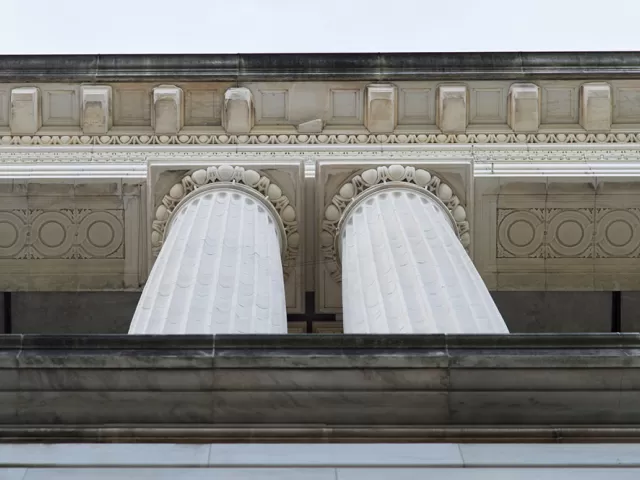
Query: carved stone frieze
point(61, 234)
point(228, 174)
point(359, 183)
point(575, 233)
point(328, 139)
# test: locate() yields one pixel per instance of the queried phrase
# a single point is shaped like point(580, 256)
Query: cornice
point(323, 66)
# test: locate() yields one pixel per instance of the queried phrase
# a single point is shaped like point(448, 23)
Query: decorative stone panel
point(65, 233)
point(71, 237)
point(561, 235)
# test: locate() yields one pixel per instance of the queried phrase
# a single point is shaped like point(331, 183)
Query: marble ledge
point(320, 351)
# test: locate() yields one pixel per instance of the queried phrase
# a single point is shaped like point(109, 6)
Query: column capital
point(356, 187)
point(233, 177)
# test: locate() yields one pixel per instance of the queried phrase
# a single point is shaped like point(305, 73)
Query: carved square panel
point(617, 232)
point(60, 107)
point(203, 107)
point(4, 107)
point(521, 232)
point(559, 105)
point(272, 106)
point(416, 106)
point(570, 232)
point(488, 106)
point(346, 106)
point(626, 105)
point(132, 106)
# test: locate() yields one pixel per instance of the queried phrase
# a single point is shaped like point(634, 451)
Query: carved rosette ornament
point(229, 175)
point(360, 183)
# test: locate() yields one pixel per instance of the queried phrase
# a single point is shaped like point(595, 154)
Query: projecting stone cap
point(595, 107)
point(381, 108)
point(238, 110)
point(312, 126)
point(25, 111)
point(96, 109)
point(168, 110)
point(452, 108)
point(524, 107)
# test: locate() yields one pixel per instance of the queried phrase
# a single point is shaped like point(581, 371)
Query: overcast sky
point(245, 26)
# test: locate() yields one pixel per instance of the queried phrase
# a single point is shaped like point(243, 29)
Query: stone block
point(312, 126)
point(168, 109)
point(26, 118)
point(238, 111)
point(83, 313)
point(96, 109)
point(555, 312)
point(452, 103)
point(595, 107)
point(524, 108)
point(381, 111)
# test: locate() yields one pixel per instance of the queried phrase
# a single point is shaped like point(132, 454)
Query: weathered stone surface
point(26, 114)
point(381, 108)
point(312, 126)
point(96, 109)
point(378, 383)
point(524, 107)
point(168, 109)
point(595, 107)
point(238, 110)
point(331, 66)
point(451, 108)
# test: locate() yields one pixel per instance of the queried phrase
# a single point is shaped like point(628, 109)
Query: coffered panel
point(132, 105)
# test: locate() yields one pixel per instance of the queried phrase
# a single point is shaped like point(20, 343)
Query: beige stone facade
point(544, 168)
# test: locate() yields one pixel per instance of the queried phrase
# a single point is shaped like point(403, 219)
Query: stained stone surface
point(630, 312)
point(72, 312)
point(326, 387)
point(555, 312)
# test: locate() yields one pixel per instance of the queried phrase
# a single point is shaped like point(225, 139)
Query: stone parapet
point(319, 388)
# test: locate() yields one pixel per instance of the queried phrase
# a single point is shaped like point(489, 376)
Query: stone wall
point(524, 312)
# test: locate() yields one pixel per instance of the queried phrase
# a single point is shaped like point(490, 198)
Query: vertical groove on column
point(405, 271)
point(219, 271)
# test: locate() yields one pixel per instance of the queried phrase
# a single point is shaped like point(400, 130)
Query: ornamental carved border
point(228, 174)
point(360, 182)
point(322, 139)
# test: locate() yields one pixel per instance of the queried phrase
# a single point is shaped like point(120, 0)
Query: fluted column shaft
point(404, 270)
point(219, 270)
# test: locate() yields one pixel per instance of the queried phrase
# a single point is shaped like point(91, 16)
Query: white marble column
point(404, 269)
point(219, 269)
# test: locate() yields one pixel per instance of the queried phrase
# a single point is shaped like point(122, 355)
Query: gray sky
point(245, 26)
